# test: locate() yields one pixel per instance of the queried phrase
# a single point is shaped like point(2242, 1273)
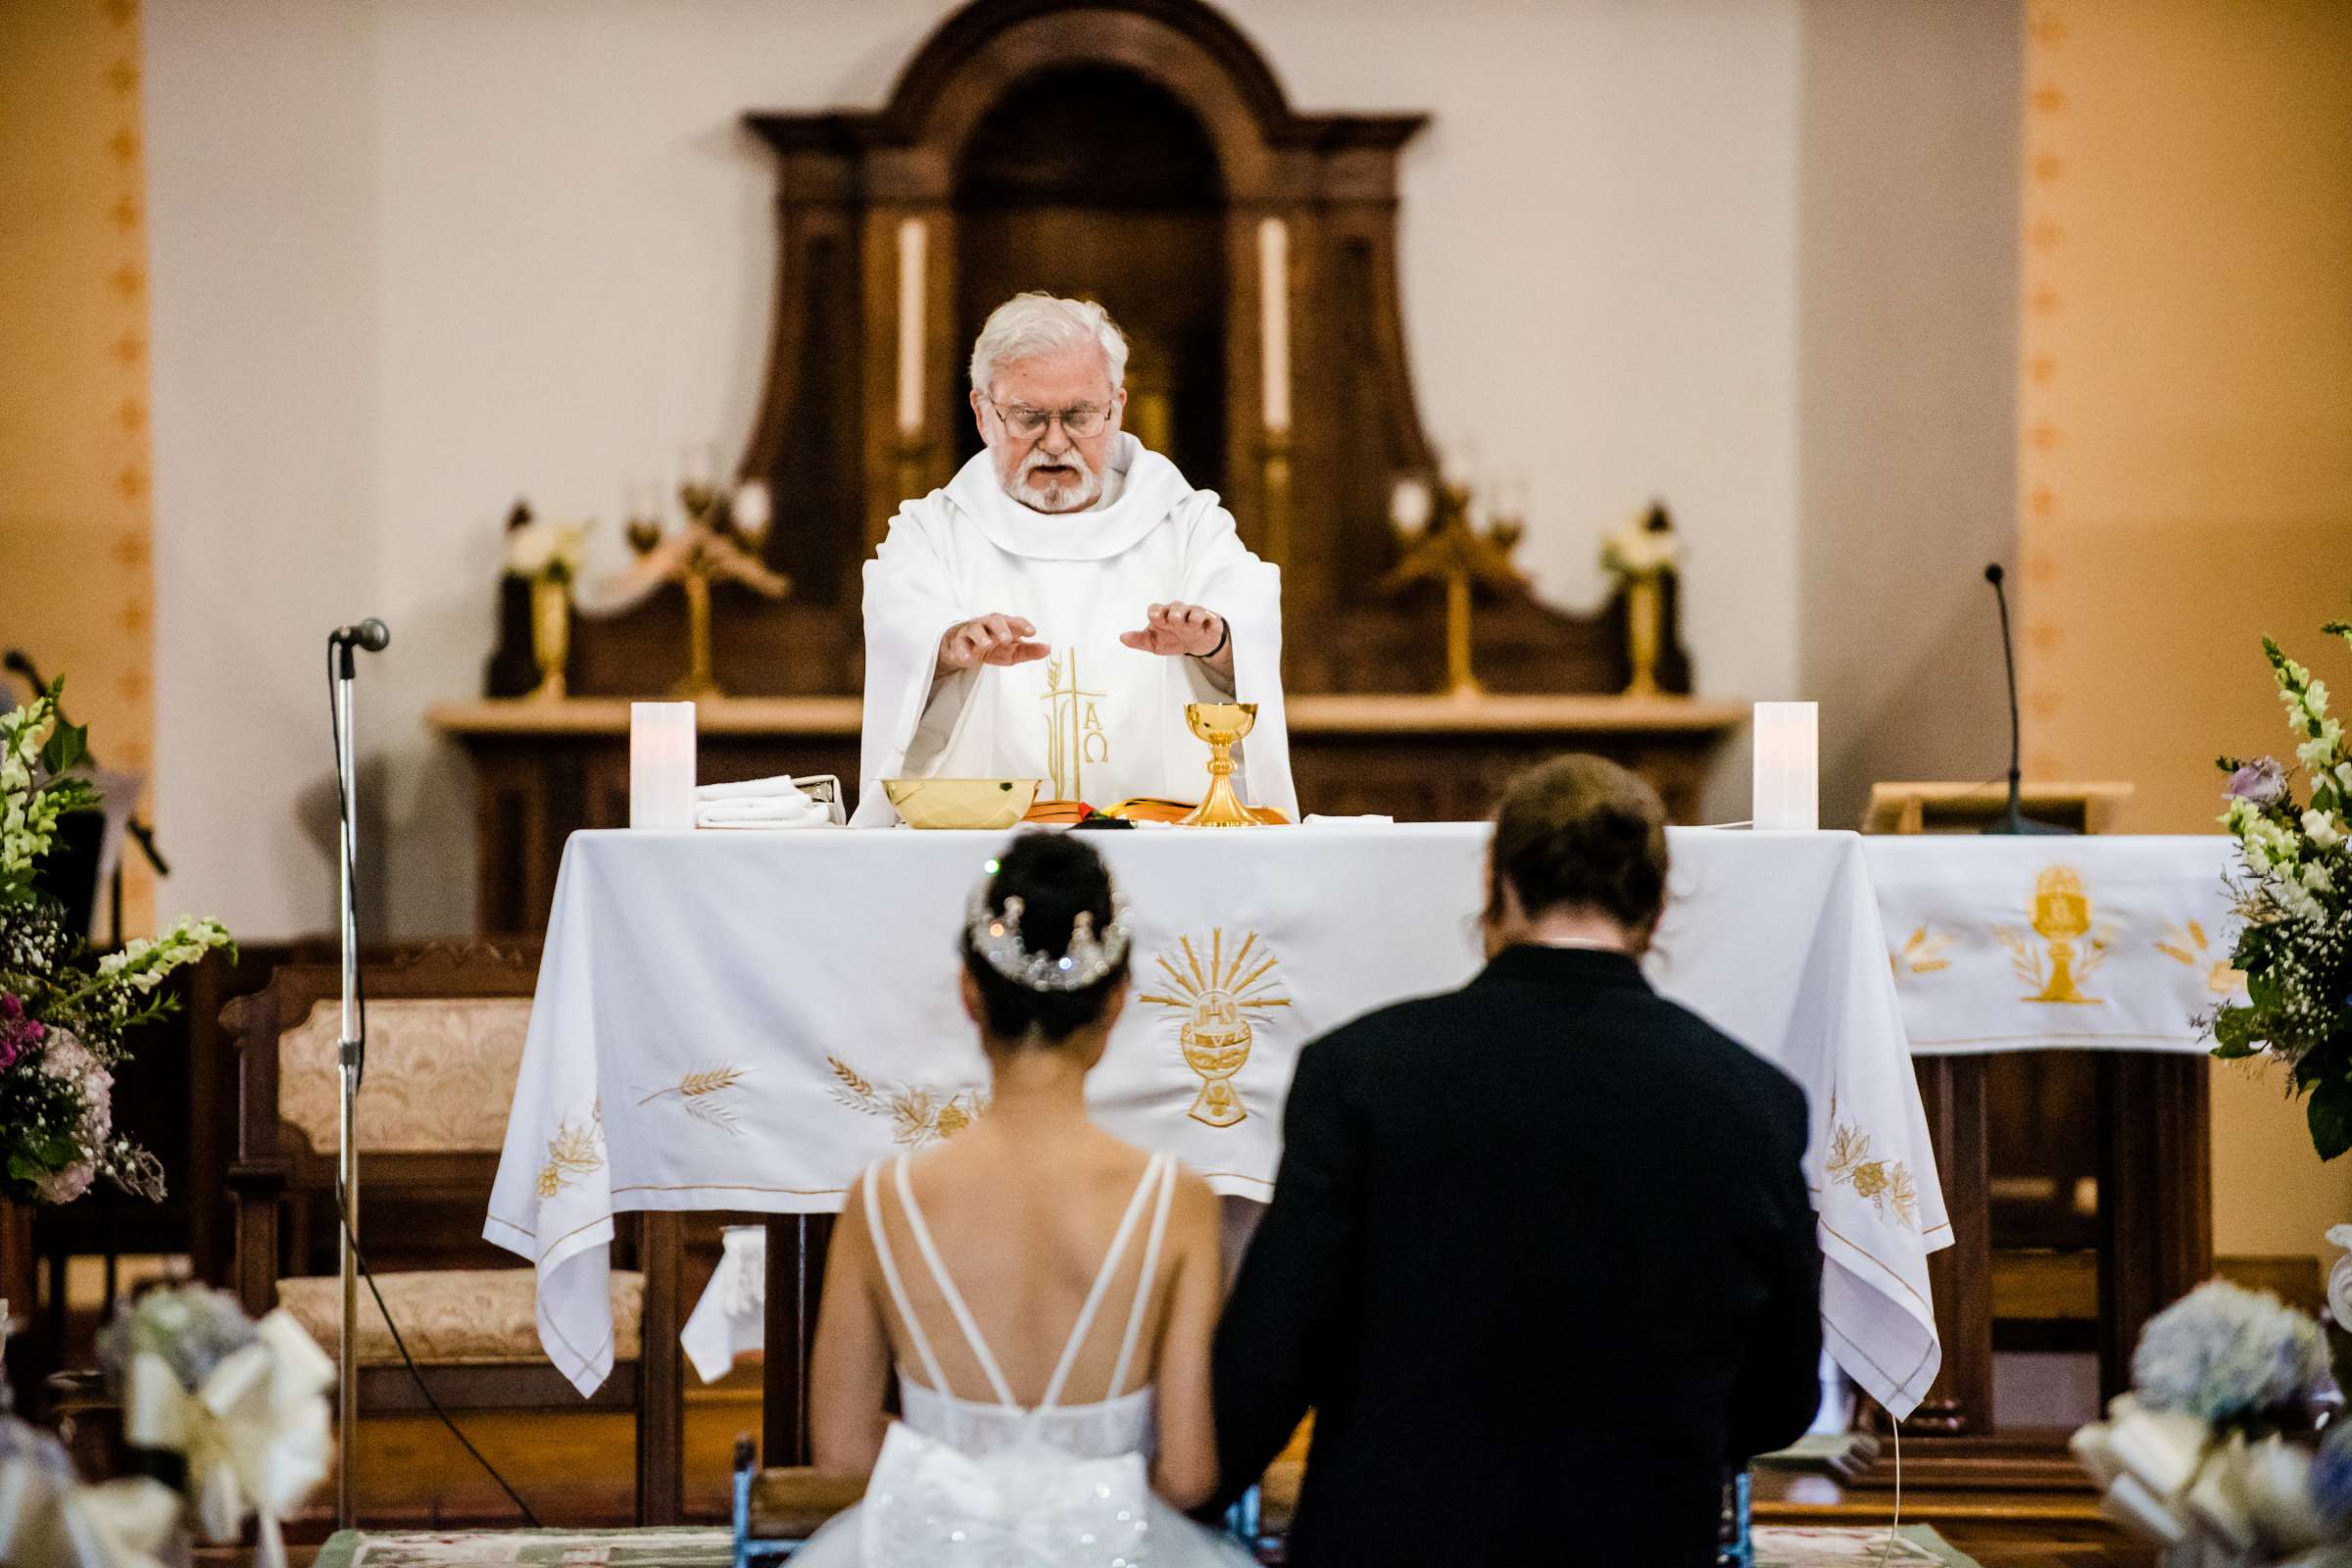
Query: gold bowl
point(980, 804)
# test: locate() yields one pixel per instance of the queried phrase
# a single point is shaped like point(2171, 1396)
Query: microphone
point(2013, 820)
point(370, 634)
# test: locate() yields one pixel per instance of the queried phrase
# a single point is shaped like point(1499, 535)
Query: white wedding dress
point(986, 1484)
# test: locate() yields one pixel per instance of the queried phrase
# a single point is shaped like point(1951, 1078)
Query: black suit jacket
point(1541, 1260)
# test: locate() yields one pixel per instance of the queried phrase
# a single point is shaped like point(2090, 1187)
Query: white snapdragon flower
point(2322, 830)
point(2316, 878)
point(2234, 819)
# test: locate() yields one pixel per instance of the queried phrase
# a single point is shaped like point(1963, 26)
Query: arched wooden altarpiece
point(1140, 152)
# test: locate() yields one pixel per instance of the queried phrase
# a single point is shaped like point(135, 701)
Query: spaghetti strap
point(1102, 1286)
point(1142, 1282)
point(947, 1287)
point(898, 1288)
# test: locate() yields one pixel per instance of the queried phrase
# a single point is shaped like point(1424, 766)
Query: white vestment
point(1097, 720)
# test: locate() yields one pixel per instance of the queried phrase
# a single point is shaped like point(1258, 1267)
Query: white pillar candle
point(913, 239)
point(1274, 317)
point(1787, 768)
point(661, 764)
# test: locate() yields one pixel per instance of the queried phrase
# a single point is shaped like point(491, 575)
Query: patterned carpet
point(1918, 1546)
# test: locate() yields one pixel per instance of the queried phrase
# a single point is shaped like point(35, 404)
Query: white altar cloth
point(743, 1021)
point(1975, 926)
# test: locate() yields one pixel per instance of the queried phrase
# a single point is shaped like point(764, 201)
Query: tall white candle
point(1788, 767)
point(913, 239)
point(660, 764)
point(1274, 317)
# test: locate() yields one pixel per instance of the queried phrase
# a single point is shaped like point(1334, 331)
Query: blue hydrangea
point(2222, 1353)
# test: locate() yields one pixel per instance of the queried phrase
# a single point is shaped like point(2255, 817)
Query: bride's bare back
point(1024, 1208)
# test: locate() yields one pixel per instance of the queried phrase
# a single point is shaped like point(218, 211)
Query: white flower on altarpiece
point(546, 549)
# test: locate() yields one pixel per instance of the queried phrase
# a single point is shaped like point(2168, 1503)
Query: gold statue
point(1222, 725)
point(721, 539)
point(1451, 550)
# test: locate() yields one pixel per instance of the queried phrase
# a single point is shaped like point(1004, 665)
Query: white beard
point(1070, 496)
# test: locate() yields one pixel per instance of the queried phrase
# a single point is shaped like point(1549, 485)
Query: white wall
point(414, 258)
point(1907, 305)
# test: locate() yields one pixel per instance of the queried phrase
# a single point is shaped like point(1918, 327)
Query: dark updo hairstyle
point(1578, 832)
point(1056, 877)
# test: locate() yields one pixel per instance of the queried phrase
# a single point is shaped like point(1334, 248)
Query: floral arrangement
point(1644, 547)
point(64, 1025)
point(2219, 1452)
point(2294, 895)
point(544, 552)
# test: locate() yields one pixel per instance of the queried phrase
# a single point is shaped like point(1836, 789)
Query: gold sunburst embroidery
point(1214, 1000)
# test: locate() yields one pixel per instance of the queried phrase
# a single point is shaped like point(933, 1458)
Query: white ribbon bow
point(1027, 1506)
point(255, 1432)
point(2166, 1478)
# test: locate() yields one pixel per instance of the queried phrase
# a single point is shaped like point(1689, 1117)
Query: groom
point(1539, 1258)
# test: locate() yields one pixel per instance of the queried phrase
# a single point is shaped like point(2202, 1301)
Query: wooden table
point(545, 769)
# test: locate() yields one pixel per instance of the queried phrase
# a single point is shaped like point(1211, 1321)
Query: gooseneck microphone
point(2014, 819)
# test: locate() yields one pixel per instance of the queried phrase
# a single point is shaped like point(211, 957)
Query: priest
point(1051, 610)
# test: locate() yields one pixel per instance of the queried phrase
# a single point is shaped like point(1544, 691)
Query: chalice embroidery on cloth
point(1074, 732)
point(2077, 944)
point(1214, 1002)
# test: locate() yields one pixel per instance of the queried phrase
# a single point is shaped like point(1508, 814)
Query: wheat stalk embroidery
point(699, 1093)
point(917, 1115)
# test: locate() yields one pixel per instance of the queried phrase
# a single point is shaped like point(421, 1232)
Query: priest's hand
point(1185, 630)
point(988, 640)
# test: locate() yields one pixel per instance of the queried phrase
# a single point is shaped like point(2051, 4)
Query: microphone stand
point(351, 1056)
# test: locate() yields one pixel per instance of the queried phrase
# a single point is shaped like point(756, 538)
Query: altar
point(545, 770)
point(743, 1021)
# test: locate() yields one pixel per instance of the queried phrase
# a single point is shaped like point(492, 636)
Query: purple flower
point(2261, 783)
point(17, 1033)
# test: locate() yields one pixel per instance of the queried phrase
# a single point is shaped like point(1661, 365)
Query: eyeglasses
point(1081, 421)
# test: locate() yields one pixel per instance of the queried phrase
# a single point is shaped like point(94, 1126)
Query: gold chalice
point(1216, 1041)
point(1222, 725)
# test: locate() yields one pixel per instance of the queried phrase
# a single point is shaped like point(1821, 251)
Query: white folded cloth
point(770, 803)
point(752, 788)
point(765, 811)
point(731, 1318)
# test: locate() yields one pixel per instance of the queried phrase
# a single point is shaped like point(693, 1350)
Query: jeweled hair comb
point(995, 935)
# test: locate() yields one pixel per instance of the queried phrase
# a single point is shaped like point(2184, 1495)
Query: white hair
point(1038, 322)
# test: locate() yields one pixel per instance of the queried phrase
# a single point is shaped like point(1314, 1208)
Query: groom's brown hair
point(1581, 832)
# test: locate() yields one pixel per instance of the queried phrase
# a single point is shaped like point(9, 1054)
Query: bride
point(1043, 1292)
